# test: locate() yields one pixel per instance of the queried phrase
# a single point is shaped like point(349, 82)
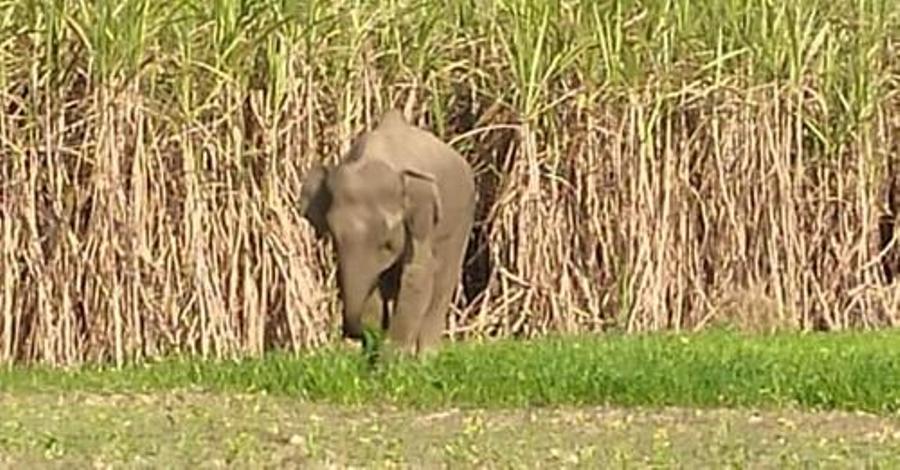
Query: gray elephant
point(399, 209)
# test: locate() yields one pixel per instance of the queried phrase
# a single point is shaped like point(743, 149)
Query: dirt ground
point(183, 429)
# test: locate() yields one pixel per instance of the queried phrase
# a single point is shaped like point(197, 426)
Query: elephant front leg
point(413, 300)
point(449, 258)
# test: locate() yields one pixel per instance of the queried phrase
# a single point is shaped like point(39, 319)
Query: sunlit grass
point(839, 371)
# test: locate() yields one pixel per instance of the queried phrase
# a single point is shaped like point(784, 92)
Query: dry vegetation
point(642, 165)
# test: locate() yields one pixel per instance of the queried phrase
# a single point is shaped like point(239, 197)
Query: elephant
point(399, 208)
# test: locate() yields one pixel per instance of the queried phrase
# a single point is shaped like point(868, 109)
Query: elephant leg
point(413, 299)
point(450, 257)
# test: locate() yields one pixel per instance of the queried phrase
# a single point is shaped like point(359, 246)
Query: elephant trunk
point(360, 299)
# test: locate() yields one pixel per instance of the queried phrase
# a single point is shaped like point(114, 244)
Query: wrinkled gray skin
point(399, 209)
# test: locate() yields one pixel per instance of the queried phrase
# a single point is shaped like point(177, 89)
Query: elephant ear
point(315, 198)
point(421, 203)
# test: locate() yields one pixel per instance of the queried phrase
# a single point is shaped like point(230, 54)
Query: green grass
point(839, 371)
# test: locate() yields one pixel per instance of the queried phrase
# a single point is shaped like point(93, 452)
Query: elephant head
point(377, 215)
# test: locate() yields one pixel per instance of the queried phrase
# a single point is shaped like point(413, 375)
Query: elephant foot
point(394, 351)
point(427, 352)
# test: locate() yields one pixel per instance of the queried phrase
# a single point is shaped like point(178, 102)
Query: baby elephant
point(399, 208)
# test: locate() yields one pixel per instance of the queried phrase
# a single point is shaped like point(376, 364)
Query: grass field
point(717, 398)
point(642, 166)
point(179, 429)
point(849, 371)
